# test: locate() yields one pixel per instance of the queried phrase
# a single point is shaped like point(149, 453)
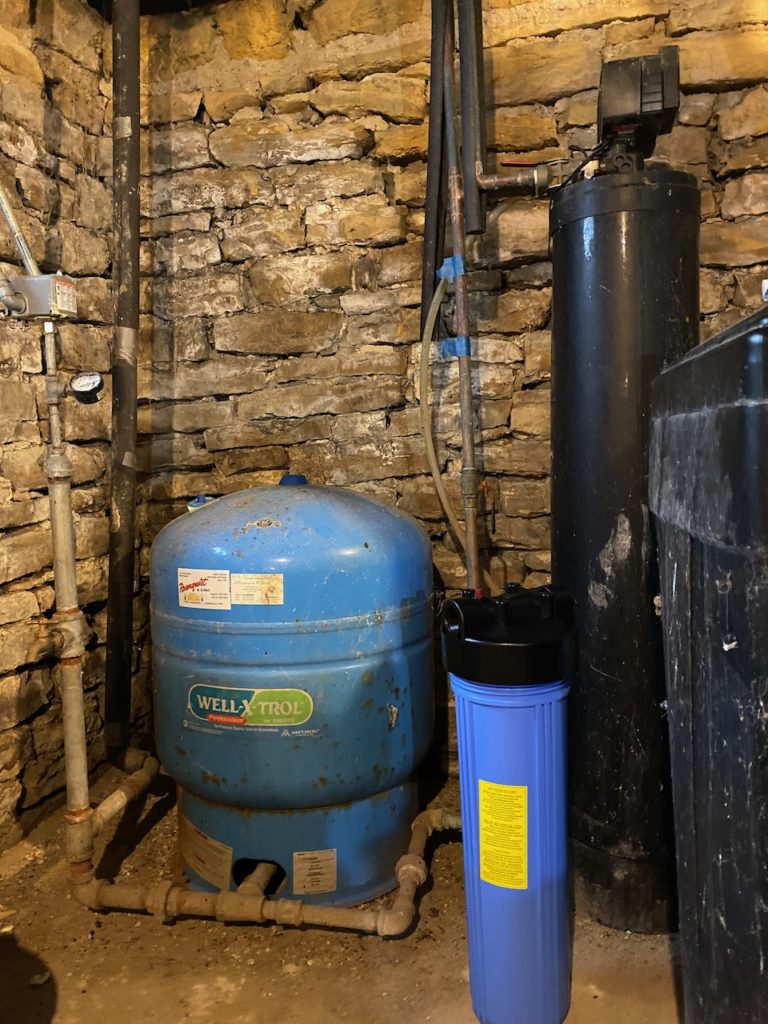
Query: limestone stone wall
point(52, 104)
point(282, 202)
point(284, 214)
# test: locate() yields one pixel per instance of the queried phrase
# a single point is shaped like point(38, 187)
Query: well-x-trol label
point(238, 707)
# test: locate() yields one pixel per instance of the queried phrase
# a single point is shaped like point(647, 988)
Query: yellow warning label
point(503, 834)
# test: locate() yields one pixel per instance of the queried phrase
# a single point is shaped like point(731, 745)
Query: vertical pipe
point(434, 216)
point(59, 471)
point(75, 744)
point(472, 111)
point(469, 481)
point(126, 42)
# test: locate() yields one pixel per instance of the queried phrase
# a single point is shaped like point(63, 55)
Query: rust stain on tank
point(367, 678)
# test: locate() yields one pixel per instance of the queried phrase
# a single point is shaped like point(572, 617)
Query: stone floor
point(61, 964)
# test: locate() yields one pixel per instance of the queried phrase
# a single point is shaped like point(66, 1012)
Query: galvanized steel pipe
point(68, 626)
point(249, 905)
point(129, 789)
point(29, 261)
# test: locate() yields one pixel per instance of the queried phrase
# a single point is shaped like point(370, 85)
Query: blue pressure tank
point(292, 633)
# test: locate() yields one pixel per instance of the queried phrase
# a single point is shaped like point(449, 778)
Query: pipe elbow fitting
point(134, 760)
point(395, 921)
point(447, 820)
point(431, 820)
point(85, 890)
point(415, 866)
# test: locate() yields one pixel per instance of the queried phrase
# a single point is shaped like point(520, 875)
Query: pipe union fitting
point(158, 899)
point(470, 482)
point(289, 912)
point(57, 466)
point(54, 390)
point(412, 864)
point(78, 837)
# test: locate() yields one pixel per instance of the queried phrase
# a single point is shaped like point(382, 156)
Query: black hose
point(126, 157)
point(434, 213)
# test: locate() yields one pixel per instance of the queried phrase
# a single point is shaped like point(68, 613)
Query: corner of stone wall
point(52, 103)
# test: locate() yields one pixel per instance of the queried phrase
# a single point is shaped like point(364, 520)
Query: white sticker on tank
point(257, 588)
point(205, 855)
point(314, 871)
point(204, 588)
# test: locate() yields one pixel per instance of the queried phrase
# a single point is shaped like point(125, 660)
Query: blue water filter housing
point(292, 635)
point(509, 660)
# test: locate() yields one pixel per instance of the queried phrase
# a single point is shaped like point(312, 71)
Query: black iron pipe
point(473, 129)
point(434, 210)
point(126, 157)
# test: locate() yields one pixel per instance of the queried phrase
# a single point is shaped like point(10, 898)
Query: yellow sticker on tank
point(503, 836)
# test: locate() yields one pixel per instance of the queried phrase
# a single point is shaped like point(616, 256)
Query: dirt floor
point(61, 964)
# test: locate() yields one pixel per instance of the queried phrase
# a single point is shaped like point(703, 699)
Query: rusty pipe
point(412, 872)
point(259, 879)
point(131, 788)
point(249, 905)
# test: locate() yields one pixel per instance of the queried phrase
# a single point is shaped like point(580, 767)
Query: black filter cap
point(521, 638)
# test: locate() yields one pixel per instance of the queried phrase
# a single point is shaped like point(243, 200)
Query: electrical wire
point(599, 150)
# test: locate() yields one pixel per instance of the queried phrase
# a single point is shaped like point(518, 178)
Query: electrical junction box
point(46, 295)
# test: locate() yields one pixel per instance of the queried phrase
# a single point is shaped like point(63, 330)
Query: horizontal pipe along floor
point(62, 964)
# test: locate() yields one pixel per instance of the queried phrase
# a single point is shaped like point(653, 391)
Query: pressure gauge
point(87, 387)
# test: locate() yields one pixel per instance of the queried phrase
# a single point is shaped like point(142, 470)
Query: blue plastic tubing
point(513, 797)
